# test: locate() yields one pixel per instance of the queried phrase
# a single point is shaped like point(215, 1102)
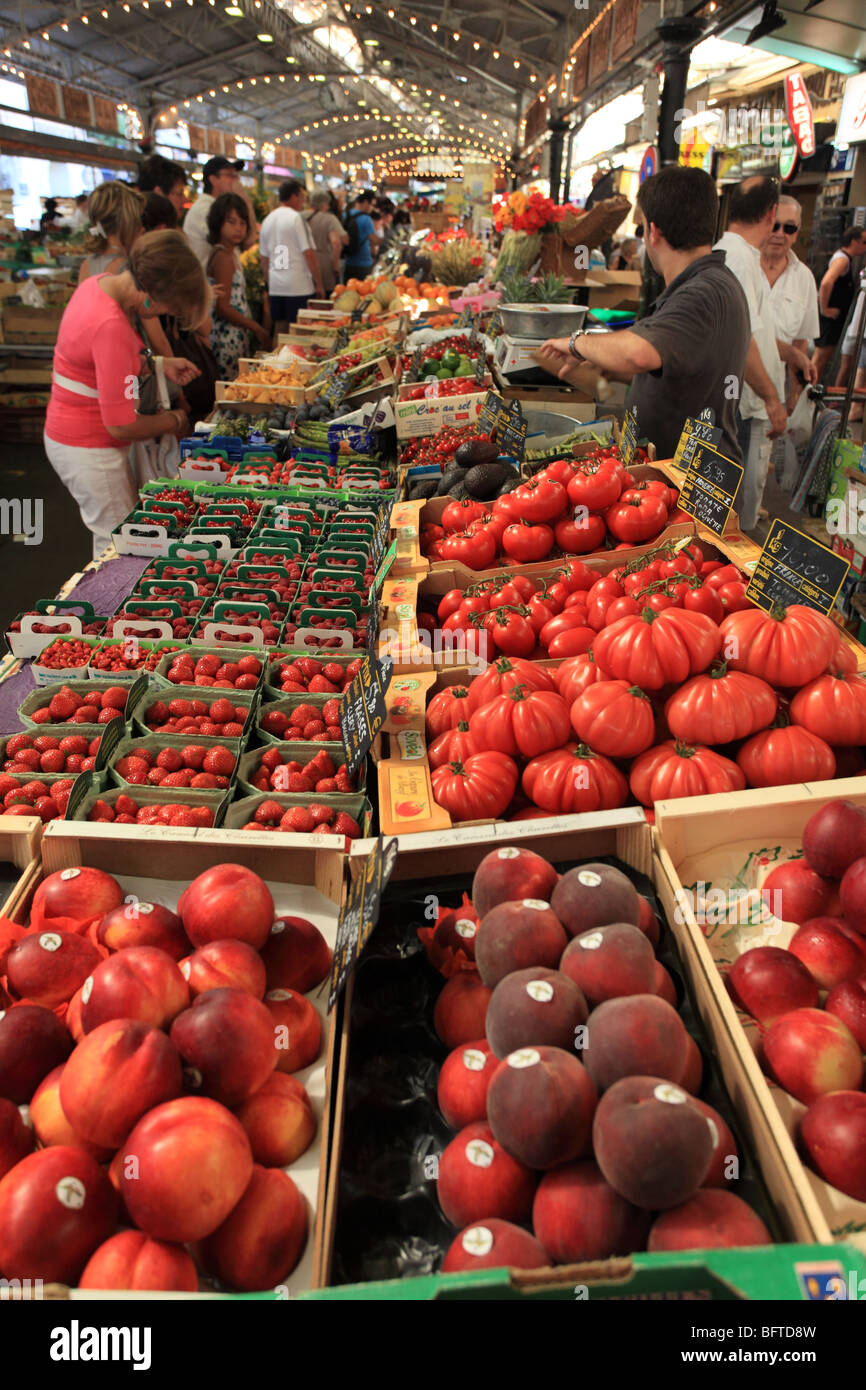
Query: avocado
point(509, 485)
point(474, 451)
point(450, 478)
point(485, 479)
point(426, 488)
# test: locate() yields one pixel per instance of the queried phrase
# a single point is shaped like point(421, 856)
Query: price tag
point(628, 438)
point(465, 318)
point(794, 568)
point(382, 572)
point(504, 420)
point(322, 373)
point(695, 432)
point(494, 328)
point(360, 914)
point(380, 535)
point(416, 362)
point(335, 390)
point(341, 342)
point(480, 369)
point(362, 709)
point(710, 487)
point(488, 418)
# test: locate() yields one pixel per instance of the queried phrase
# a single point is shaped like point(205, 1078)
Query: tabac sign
point(800, 116)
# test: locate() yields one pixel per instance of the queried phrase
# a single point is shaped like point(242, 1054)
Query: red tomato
point(788, 647)
point(449, 603)
point(458, 515)
point(654, 650)
point(540, 500)
point(563, 622)
point(700, 598)
point(476, 550)
point(560, 470)
point(507, 593)
point(512, 633)
point(447, 709)
point(576, 675)
point(722, 574)
point(595, 485)
point(733, 597)
point(674, 769)
point(526, 543)
point(522, 723)
point(620, 608)
point(478, 789)
point(503, 675)
point(573, 778)
point(580, 535)
point(676, 565)
point(637, 516)
point(571, 643)
point(614, 718)
point(453, 746)
point(720, 706)
point(578, 575)
point(540, 613)
point(778, 757)
point(834, 708)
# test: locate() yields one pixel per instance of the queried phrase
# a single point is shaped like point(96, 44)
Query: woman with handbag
point(94, 410)
point(114, 209)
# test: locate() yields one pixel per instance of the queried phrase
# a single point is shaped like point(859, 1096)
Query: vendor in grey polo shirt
point(689, 353)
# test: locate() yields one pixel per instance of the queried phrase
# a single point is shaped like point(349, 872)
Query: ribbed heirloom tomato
point(446, 710)
point(595, 485)
point(614, 718)
point(479, 789)
point(788, 754)
point(503, 675)
point(787, 647)
point(834, 708)
point(720, 706)
point(524, 722)
point(576, 675)
point(674, 769)
point(573, 778)
point(657, 649)
point(453, 746)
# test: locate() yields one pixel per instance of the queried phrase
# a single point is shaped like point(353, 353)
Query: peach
point(33, 1042)
point(51, 1123)
point(810, 1052)
point(140, 982)
point(721, 1171)
point(693, 1071)
point(463, 1082)
point(279, 1121)
point(183, 1168)
point(132, 1260)
point(461, 1009)
point(827, 954)
point(48, 967)
point(506, 875)
point(296, 955)
point(852, 895)
point(263, 1238)
point(577, 1216)
point(494, 1244)
point(709, 1220)
point(593, 895)
point(833, 1137)
point(56, 1207)
point(143, 924)
point(649, 923)
point(115, 1075)
point(540, 1105)
point(848, 1003)
point(651, 1143)
point(72, 1017)
point(78, 893)
point(297, 1029)
point(638, 1035)
point(515, 935)
point(793, 892)
point(478, 1179)
point(834, 837)
point(227, 901)
point(224, 964)
point(664, 986)
point(534, 1006)
point(227, 1042)
point(767, 982)
point(16, 1137)
point(610, 961)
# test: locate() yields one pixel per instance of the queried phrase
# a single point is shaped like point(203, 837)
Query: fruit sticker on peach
point(589, 878)
point(71, 1192)
point(473, 1060)
point(536, 904)
point(50, 941)
point(478, 1241)
point(671, 1095)
point(525, 1057)
point(591, 940)
point(466, 928)
point(479, 1153)
point(66, 874)
point(540, 990)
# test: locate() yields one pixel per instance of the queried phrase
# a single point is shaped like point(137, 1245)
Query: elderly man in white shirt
point(793, 295)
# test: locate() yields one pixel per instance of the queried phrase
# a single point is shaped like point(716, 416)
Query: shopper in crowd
point(624, 255)
point(114, 210)
point(386, 226)
point(92, 416)
point(290, 267)
point(219, 175)
point(677, 366)
point(794, 299)
point(160, 175)
point(762, 414)
point(78, 219)
point(158, 214)
point(228, 228)
point(328, 237)
point(363, 245)
point(50, 218)
point(335, 205)
point(835, 293)
point(640, 254)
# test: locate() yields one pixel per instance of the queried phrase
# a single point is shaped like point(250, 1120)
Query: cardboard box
point(714, 854)
point(613, 289)
point(156, 865)
point(417, 418)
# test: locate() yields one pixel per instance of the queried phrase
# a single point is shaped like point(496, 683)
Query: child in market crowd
point(115, 211)
point(228, 228)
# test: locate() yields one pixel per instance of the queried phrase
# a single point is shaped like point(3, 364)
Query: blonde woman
point(92, 417)
point(115, 212)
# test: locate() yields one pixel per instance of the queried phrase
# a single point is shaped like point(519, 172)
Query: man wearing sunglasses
point(794, 297)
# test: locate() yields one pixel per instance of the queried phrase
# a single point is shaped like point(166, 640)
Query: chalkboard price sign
point(362, 709)
point(504, 421)
point(794, 568)
point(360, 914)
point(628, 438)
point(710, 487)
point(695, 432)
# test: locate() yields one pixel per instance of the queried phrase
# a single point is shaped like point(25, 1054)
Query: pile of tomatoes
point(667, 699)
point(569, 508)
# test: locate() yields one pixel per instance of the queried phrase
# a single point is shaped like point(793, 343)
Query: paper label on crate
point(360, 913)
point(362, 709)
point(628, 438)
point(794, 568)
point(695, 431)
point(710, 487)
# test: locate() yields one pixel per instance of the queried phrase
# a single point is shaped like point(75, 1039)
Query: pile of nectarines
point(146, 1060)
point(572, 1080)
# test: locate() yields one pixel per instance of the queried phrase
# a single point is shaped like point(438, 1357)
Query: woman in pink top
point(92, 417)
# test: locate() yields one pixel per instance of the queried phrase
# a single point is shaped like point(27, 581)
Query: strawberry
point(312, 729)
point(321, 814)
point(124, 805)
point(170, 759)
point(271, 758)
point(298, 819)
point(193, 756)
point(295, 782)
point(345, 825)
point(219, 760)
point(269, 812)
point(206, 779)
point(156, 776)
point(331, 712)
point(320, 686)
point(185, 816)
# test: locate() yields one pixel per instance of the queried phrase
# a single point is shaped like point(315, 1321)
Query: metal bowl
point(542, 320)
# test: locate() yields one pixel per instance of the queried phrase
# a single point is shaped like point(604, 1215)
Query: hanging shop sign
point(788, 160)
point(649, 164)
point(599, 53)
point(580, 71)
point(800, 117)
point(625, 13)
point(851, 129)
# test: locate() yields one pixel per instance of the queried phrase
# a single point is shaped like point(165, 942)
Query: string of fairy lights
point(467, 47)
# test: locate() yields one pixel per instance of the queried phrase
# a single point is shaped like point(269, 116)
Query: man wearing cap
point(220, 175)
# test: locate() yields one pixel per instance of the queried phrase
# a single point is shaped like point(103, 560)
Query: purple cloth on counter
point(105, 588)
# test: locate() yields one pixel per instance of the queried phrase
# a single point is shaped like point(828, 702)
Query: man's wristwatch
point(578, 333)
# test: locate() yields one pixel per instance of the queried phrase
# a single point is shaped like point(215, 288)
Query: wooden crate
point(19, 845)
